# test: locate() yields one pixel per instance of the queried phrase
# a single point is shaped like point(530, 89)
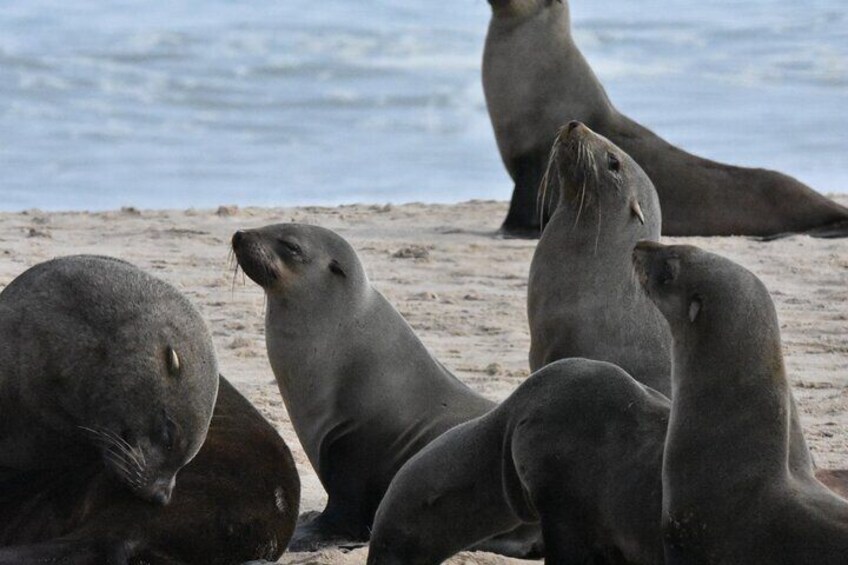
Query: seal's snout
point(642, 254)
point(573, 125)
point(161, 490)
point(237, 240)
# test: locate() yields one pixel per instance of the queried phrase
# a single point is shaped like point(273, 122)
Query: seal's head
point(702, 295)
point(522, 9)
point(128, 366)
point(594, 179)
point(301, 267)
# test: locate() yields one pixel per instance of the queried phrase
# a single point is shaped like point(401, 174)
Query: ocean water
point(107, 103)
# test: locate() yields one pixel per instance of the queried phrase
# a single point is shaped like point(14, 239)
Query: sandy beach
point(461, 289)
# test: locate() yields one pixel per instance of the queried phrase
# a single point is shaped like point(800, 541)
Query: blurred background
point(109, 103)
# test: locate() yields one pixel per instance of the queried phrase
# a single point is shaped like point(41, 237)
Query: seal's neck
point(729, 428)
point(585, 248)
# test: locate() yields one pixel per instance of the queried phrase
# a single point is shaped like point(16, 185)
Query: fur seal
point(578, 447)
point(237, 500)
point(536, 79)
point(582, 297)
point(363, 393)
point(100, 360)
point(730, 494)
point(105, 391)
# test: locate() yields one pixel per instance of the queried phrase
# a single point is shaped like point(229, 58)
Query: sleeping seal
point(106, 390)
point(536, 79)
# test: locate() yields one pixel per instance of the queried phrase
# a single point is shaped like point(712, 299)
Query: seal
point(103, 361)
point(730, 494)
point(536, 79)
point(237, 500)
point(578, 447)
point(105, 391)
point(363, 393)
point(582, 298)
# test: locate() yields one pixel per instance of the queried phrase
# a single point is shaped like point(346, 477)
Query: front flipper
point(317, 530)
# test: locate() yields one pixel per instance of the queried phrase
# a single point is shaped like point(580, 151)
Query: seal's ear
point(637, 210)
point(173, 361)
point(336, 268)
point(694, 308)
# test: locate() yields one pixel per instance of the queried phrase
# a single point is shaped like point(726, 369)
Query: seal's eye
point(613, 163)
point(173, 361)
point(291, 247)
point(336, 268)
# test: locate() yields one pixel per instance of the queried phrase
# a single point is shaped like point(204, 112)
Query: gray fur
point(731, 492)
point(577, 447)
point(84, 373)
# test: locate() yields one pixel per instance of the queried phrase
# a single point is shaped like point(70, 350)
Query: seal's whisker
point(121, 447)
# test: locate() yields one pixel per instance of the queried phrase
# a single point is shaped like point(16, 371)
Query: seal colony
point(114, 371)
point(536, 79)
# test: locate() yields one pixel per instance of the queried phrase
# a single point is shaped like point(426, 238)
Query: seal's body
point(101, 361)
point(582, 297)
point(536, 79)
point(108, 380)
point(236, 501)
point(362, 391)
point(577, 447)
point(730, 491)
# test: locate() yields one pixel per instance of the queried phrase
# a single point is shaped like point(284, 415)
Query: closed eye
point(291, 246)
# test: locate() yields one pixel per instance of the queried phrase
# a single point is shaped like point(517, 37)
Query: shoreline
point(462, 290)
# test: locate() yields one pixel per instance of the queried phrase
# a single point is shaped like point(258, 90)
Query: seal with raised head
point(582, 297)
point(107, 387)
point(237, 500)
point(730, 494)
point(536, 79)
point(363, 393)
point(578, 447)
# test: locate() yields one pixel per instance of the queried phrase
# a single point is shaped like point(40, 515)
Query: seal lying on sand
point(729, 493)
point(536, 79)
point(362, 391)
point(107, 385)
point(582, 297)
point(236, 501)
point(578, 446)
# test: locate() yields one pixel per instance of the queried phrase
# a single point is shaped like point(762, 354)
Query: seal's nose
point(161, 491)
point(573, 125)
point(237, 238)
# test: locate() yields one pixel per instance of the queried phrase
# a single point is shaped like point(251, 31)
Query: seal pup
point(730, 493)
point(582, 297)
point(535, 79)
point(578, 447)
point(362, 391)
point(237, 500)
point(101, 361)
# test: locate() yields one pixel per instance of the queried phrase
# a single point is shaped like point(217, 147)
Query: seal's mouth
point(254, 258)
